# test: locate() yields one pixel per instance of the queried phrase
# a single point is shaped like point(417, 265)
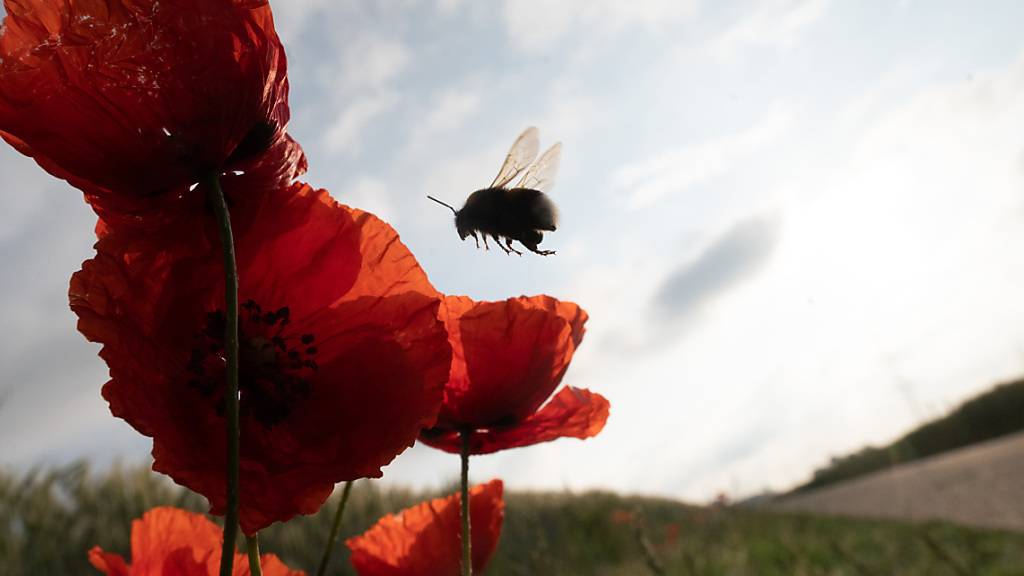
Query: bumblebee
point(520, 212)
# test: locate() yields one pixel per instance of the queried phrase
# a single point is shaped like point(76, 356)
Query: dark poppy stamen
point(274, 365)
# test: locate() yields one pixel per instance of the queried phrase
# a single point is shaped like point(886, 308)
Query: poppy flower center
point(274, 366)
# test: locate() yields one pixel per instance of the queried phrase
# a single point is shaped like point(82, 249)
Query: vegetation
point(990, 415)
point(49, 519)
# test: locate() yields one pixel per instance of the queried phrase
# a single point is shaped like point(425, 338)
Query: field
point(49, 519)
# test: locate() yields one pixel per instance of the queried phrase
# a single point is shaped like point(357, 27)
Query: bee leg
point(486, 247)
point(508, 242)
point(477, 239)
point(500, 245)
point(542, 252)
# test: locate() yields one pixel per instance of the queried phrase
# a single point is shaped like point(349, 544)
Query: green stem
point(252, 545)
point(227, 242)
point(335, 528)
point(467, 557)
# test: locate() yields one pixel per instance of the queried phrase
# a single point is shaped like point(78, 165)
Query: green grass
point(49, 519)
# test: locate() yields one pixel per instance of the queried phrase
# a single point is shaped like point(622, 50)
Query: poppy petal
point(572, 413)
point(172, 541)
point(331, 301)
point(135, 98)
point(109, 564)
point(508, 357)
point(425, 540)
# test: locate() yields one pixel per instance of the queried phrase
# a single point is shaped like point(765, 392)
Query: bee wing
point(523, 151)
point(541, 176)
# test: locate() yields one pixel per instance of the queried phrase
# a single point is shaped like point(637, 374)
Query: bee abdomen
point(535, 208)
point(545, 213)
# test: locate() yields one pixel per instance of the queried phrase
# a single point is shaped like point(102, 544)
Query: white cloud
point(369, 62)
point(444, 115)
point(571, 113)
point(675, 171)
point(452, 108)
point(370, 194)
point(772, 23)
point(362, 82)
point(533, 25)
point(343, 135)
point(291, 15)
point(893, 293)
point(900, 278)
point(448, 7)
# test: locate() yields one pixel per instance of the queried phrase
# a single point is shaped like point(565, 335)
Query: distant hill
point(995, 413)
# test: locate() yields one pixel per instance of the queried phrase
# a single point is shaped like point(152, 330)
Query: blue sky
point(796, 224)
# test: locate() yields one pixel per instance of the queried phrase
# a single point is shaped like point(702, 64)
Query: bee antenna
point(448, 206)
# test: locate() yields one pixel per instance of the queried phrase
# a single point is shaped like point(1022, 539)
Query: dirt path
point(980, 485)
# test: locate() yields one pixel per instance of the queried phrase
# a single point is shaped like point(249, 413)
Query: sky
point(796, 224)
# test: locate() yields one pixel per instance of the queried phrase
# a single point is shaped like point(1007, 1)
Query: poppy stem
point(252, 545)
point(467, 557)
point(227, 242)
point(335, 528)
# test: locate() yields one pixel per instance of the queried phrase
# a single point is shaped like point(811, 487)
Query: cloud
point(372, 195)
point(51, 376)
point(448, 7)
point(674, 171)
point(451, 109)
point(735, 256)
point(772, 23)
point(369, 66)
point(343, 135)
point(898, 277)
point(533, 25)
point(295, 18)
point(445, 114)
point(292, 15)
point(370, 62)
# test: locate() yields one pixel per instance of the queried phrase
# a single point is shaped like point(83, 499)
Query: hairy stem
point(335, 528)
point(252, 545)
point(227, 242)
point(467, 557)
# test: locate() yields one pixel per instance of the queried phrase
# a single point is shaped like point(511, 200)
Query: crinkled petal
point(169, 535)
point(382, 356)
point(137, 98)
point(425, 540)
point(508, 357)
point(169, 541)
point(572, 413)
point(184, 214)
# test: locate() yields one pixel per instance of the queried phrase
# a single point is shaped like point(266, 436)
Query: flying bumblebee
point(521, 212)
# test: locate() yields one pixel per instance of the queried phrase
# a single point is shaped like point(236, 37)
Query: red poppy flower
point(244, 190)
point(171, 541)
point(507, 359)
point(128, 99)
point(343, 358)
point(425, 540)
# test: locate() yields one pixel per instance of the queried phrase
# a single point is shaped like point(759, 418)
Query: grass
point(50, 518)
